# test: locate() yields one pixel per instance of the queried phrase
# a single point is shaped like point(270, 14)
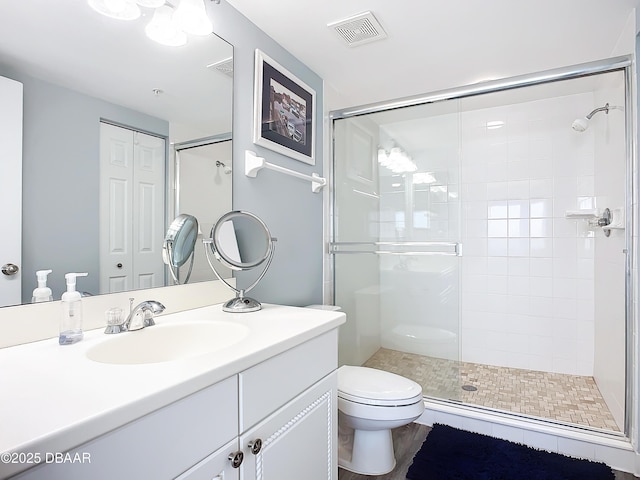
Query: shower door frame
point(620, 63)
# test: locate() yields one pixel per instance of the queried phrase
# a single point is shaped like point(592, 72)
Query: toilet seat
point(370, 386)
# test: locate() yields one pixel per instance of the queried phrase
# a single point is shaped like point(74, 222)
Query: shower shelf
point(607, 220)
point(581, 214)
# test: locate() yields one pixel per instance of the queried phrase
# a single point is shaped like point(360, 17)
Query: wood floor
point(406, 442)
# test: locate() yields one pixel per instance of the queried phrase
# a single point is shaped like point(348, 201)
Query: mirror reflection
point(95, 201)
point(204, 191)
point(240, 241)
point(179, 245)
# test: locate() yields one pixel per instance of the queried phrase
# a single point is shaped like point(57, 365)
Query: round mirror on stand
point(178, 246)
point(240, 241)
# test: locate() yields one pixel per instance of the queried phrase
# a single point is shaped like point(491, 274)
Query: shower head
point(581, 124)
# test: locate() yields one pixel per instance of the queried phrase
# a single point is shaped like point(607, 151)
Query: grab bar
point(396, 248)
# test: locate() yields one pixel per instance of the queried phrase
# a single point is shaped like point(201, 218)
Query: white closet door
point(148, 211)
point(132, 201)
point(116, 208)
point(11, 190)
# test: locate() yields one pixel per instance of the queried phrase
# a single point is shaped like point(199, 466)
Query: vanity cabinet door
point(216, 466)
point(298, 441)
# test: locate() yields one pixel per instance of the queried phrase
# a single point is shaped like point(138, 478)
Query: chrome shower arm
point(600, 109)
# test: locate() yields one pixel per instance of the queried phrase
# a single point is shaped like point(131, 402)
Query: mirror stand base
point(241, 305)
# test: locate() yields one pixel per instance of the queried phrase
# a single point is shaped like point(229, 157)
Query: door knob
point(10, 269)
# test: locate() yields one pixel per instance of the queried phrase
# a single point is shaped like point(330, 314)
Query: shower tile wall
point(527, 280)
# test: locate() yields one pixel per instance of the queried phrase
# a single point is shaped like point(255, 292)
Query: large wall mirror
point(83, 73)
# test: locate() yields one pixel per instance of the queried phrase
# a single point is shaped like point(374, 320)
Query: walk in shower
point(481, 243)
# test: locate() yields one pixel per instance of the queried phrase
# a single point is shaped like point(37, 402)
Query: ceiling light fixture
point(150, 3)
point(396, 160)
point(192, 18)
point(167, 26)
point(421, 178)
point(164, 30)
point(118, 9)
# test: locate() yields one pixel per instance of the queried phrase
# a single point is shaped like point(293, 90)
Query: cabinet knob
point(236, 459)
point(255, 446)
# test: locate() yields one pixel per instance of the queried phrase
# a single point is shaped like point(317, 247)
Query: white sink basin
point(166, 343)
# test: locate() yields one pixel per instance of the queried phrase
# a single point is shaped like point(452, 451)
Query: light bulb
point(163, 29)
point(150, 3)
point(119, 9)
point(191, 16)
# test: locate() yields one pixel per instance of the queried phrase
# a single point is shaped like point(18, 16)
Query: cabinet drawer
point(269, 385)
point(162, 444)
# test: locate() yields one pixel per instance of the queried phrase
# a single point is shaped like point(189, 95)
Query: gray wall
point(60, 168)
point(286, 204)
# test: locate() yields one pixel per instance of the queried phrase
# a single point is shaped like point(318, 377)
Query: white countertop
point(53, 398)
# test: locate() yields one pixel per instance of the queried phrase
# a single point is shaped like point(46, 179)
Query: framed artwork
point(284, 111)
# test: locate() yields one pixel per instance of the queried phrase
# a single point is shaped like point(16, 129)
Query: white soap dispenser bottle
point(42, 293)
point(71, 323)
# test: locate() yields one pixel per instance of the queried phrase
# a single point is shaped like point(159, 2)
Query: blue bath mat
point(452, 454)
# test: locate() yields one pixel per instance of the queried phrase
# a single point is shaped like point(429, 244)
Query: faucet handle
point(115, 320)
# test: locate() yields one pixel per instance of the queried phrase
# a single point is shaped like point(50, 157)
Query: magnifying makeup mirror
point(240, 241)
point(178, 246)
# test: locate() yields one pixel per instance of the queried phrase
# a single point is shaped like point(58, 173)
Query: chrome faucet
point(141, 316)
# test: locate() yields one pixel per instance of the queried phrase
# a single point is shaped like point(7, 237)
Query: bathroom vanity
point(261, 407)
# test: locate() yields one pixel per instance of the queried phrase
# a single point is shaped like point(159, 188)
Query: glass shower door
point(396, 248)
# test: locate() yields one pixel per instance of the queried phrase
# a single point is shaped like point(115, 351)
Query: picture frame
point(284, 111)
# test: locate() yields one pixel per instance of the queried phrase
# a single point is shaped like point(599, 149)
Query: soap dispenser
point(42, 293)
point(71, 324)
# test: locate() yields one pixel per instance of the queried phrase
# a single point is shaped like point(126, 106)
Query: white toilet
point(370, 403)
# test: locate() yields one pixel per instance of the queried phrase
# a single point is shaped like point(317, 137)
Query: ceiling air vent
point(359, 29)
point(223, 66)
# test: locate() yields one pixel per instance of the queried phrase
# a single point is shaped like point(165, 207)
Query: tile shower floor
point(563, 398)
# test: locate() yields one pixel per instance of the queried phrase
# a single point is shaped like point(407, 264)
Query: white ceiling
point(67, 43)
point(438, 44)
point(431, 45)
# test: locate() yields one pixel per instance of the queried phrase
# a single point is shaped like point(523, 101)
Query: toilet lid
point(376, 387)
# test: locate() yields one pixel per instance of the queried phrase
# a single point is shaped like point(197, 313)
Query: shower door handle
point(397, 248)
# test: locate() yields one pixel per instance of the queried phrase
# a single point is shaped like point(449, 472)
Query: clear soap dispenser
point(71, 323)
point(42, 293)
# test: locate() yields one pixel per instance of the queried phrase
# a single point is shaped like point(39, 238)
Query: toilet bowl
point(370, 403)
